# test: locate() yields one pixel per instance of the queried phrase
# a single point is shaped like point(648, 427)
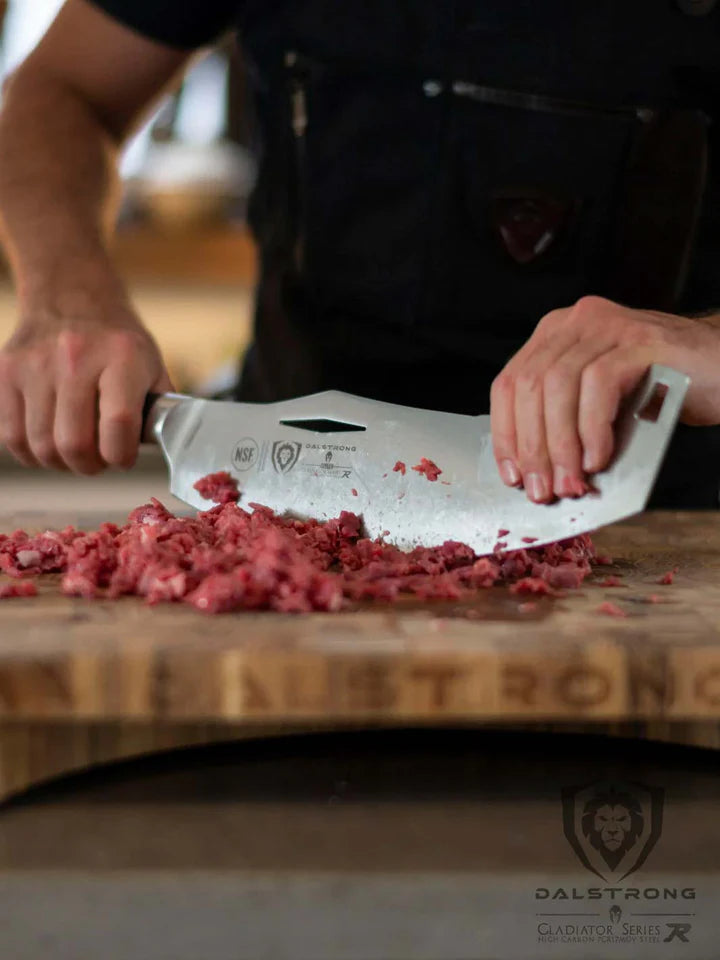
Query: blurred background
point(182, 243)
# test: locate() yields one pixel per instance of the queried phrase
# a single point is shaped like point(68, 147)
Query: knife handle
point(155, 410)
point(658, 400)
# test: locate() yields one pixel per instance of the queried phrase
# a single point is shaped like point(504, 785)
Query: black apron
point(436, 175)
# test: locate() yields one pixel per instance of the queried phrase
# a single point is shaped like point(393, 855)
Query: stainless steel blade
point(308, 473)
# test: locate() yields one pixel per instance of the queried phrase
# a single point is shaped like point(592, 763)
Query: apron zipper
point(298, 96)
point(299, 122)
point(533, 101)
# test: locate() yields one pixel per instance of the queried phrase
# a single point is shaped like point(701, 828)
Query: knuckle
point(534, 464)
point(122, 420)
point(72, 342)
point(74, 448)
point(35, 360)
point(503, 444)
point(44, 450)
point(596, 373)
point(591, 312)
point(591, 305)
point(558, 378)
point(502, 386)
point(529, 381)
point(596, 370)
point(564, 447)
point(552, 320)
point(531, 449)
point(123, 459)
point(72, 348)
point(13, 438)
point(126, 343)
point(117, 453)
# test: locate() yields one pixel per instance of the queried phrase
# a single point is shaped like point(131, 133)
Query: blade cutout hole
point(323, 426)
point(653, 405)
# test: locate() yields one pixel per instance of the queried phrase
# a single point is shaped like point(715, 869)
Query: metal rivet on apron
point(696, 8)
point(432, 88)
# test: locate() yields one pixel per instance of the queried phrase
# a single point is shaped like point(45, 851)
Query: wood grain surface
point(168, 675)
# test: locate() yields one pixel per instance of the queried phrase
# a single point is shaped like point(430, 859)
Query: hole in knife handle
point(323, 426)
point(653, 405)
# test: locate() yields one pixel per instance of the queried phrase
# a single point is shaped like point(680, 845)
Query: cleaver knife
point(318, 455)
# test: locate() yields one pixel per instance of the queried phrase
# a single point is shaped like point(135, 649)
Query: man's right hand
point(72, 392)
point(74, 375)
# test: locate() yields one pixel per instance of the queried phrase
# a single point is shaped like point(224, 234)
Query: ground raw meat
point(428, 469)
point(354, 492)
point(668, 578)
point(24, 556)
point(502, 533)
point(218, 487)
point(611, 582)
point(230, 558)
point(17, 588)
point(611, 609)
point(399, 468)
point(532, 585)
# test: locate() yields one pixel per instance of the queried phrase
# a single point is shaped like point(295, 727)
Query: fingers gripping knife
point(321, 454)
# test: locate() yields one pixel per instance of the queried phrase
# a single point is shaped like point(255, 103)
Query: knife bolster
point(157, 406)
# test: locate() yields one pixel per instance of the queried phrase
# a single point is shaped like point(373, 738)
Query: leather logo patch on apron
point(528, 226)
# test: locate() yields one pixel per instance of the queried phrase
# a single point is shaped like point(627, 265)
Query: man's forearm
point(75, 372)
point(58, 190)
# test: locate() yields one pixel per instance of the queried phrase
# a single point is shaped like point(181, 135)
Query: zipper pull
point(298, 96)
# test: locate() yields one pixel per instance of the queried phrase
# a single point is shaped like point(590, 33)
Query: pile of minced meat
point(228, 558)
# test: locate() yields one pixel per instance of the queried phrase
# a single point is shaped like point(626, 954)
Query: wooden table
point(83, 683)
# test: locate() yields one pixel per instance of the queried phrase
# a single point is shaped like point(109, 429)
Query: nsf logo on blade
point(246, 454)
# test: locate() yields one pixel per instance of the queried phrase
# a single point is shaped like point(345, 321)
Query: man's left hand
point(554, 405)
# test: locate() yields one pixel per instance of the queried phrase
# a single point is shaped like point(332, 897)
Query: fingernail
point(563, 482)
point(588, 461)
point(510, 473)
point(537, 487)
point(566, 484)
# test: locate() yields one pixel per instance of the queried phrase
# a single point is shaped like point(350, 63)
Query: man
point(453, 195)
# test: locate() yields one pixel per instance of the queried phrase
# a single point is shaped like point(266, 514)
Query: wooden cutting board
point(86, 681)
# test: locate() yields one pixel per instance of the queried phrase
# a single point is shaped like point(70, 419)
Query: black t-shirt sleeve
point(186, 24)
